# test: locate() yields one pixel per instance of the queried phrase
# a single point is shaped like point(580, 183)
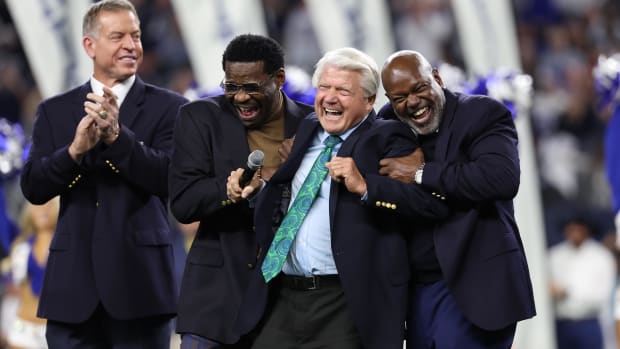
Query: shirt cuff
point(365, 197)
point(253, 198)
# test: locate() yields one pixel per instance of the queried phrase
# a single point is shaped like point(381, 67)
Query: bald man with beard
point(470, 280)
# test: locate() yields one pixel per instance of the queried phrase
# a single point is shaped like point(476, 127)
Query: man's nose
point(331, 96)
point(128, 42)
point(241, 96)
point(412, 99)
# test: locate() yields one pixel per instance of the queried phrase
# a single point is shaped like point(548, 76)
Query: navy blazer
point(210, 142)
point(476, 168)
point(112, 243)
point(367, 242)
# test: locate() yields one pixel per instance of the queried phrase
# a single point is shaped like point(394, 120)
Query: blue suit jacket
point(112, 243)
point(476, 168)
point(367, 243)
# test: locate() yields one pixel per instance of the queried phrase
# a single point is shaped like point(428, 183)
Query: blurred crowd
point(559, 40)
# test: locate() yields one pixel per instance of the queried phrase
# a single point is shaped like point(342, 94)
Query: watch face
point(418, 176)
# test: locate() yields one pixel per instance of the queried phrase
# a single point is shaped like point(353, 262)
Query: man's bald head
point(415, 90)
point(405, 60)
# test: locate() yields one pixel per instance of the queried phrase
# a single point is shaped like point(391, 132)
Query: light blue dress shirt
point(311, 252)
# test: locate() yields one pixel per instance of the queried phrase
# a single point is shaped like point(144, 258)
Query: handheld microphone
point(255, 161)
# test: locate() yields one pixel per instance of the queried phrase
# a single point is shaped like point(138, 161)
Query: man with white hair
point(333, 256)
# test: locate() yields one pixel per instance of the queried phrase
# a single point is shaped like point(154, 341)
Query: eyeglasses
point(251, 88)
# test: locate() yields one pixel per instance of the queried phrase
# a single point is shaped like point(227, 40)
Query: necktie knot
point(332, 140)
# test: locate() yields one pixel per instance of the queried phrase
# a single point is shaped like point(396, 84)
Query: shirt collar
point(323, 135)
point(120, 90)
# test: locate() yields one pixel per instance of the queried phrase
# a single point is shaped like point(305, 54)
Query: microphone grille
point(256, 159)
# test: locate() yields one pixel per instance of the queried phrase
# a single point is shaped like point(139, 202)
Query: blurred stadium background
point(553, 44)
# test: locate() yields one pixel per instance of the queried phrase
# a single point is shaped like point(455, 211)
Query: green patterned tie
point(281, 244)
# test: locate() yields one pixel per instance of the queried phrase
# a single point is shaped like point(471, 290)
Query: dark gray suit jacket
point(210, 142)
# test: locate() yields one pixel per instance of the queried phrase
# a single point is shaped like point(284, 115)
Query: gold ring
point(103, 114)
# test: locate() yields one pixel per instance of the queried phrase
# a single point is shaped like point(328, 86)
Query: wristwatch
point(418, 173)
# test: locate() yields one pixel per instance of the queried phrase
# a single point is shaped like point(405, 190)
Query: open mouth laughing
point(247, 113)
point(421, 115)
point(332, 113)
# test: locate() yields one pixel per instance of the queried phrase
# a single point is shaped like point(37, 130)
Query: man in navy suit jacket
point(470, 281)
point(344, 282)
point(104, 147)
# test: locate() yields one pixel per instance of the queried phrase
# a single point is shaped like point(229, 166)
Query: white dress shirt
point(587, 274)
point(120, 90)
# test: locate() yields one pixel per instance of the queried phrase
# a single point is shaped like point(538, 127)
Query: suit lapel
point(445, 129)
point(280, 182)
point(77, 106)
point(305, 133)
point(132, 105)
point(234, 130)
point(346, 150)
point(290, 109)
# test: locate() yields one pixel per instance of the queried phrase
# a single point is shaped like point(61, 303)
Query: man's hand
point(344, 170)
point(235, 193)
point(104, 110)
point(85, 138)
point(403, 168)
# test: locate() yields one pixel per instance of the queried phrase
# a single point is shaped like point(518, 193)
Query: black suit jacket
point(210, 142)
point(367, 242)
point(476, 168)
point(112, 243)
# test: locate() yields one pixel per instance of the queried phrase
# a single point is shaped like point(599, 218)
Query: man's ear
point(371, 102)
point(437, 77)
point(89, 46)
point(280, 77)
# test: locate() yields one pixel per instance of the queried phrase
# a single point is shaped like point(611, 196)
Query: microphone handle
point(246, 177)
